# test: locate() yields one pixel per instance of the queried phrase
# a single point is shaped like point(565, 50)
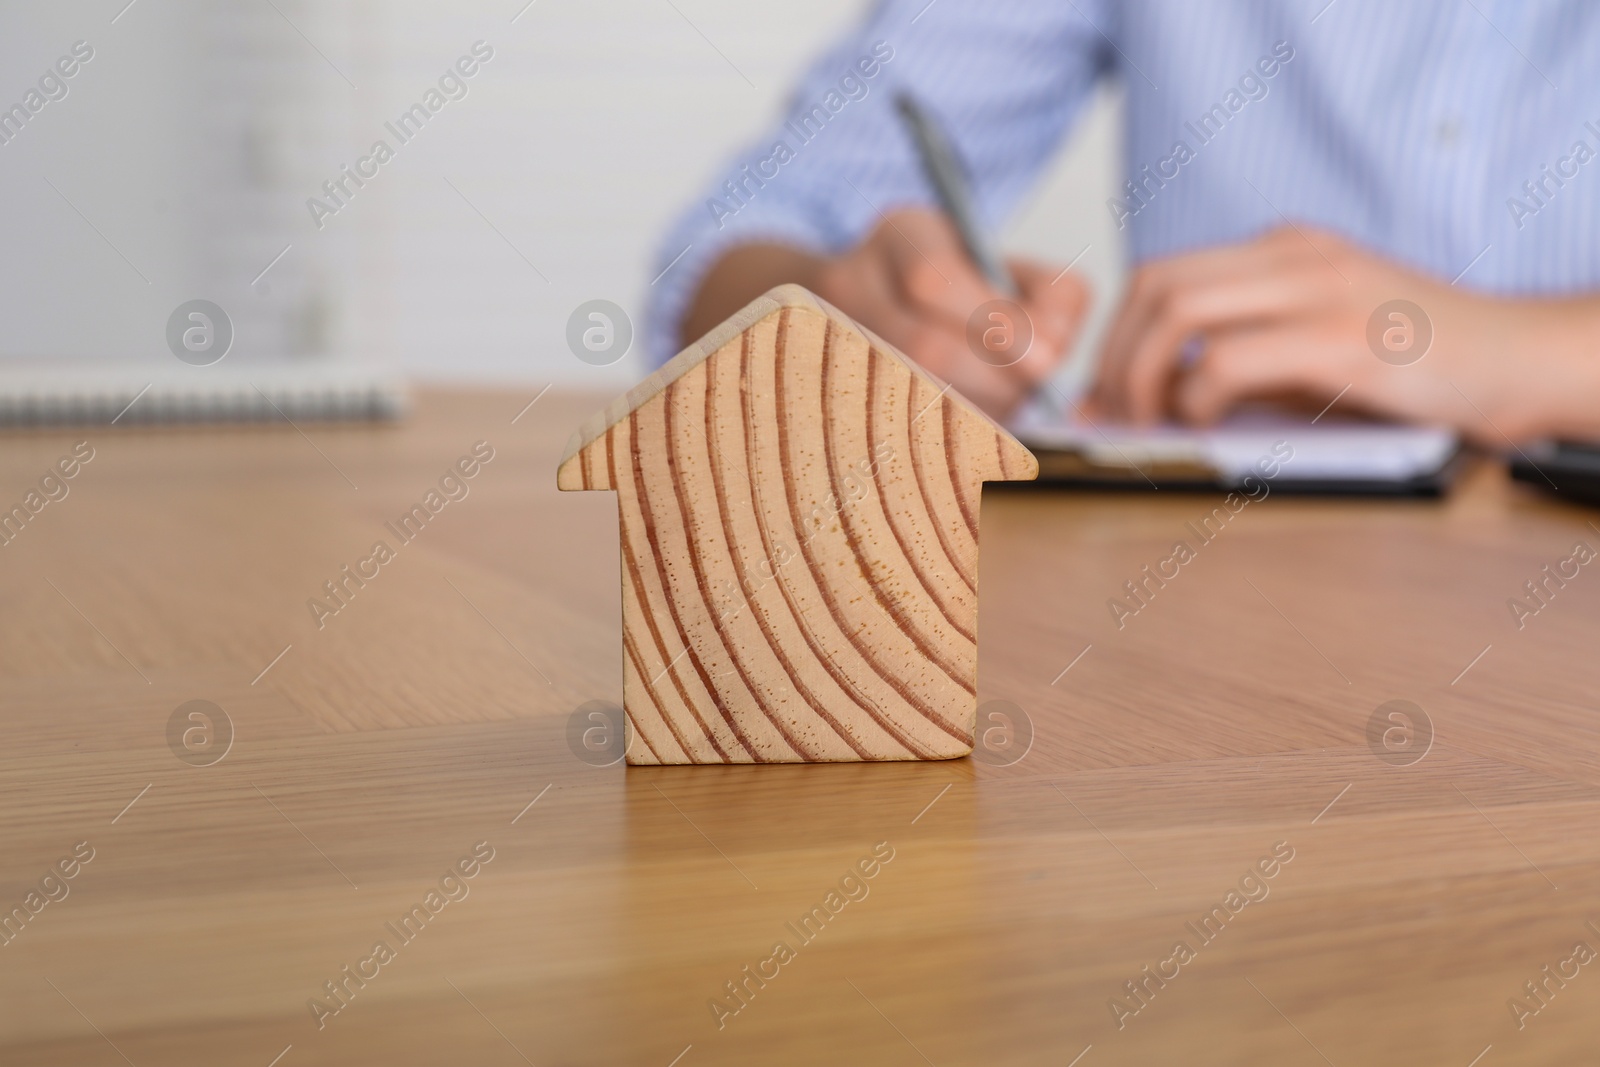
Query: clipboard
point(1337, 458)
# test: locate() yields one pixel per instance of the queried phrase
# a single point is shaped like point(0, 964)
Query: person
point(1290, 170)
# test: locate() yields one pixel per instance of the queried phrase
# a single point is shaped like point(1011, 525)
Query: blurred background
point(179, 164)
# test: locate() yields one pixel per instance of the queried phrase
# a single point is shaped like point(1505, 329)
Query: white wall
point(167, 173)
point(194, 138)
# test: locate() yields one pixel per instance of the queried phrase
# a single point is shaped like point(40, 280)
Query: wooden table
point(431, 712)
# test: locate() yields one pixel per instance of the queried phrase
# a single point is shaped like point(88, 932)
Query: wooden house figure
point(799, 525)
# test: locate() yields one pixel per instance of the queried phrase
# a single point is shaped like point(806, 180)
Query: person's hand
point(912, 283)
point(1286, 316)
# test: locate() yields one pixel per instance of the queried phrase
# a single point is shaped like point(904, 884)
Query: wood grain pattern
point(1177, 750)
point(799, 511)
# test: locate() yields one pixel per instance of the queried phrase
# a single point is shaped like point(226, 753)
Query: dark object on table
point(1567, 468)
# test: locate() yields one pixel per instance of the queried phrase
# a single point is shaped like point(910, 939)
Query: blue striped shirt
point(1460, 137)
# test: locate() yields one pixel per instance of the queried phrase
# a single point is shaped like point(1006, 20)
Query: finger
point(864, 284)
point(931, 267)
point(935, 289)
point(1056, 302)
point(945, 354)
point(932, 343)
point(1091, 409)
point(859, 285)
point(943, 287)
point(866, 289)
point(1303, 360)
point(1204, 308)
point(1154, 283)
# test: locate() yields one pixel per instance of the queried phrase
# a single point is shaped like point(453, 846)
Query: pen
point(949, 183)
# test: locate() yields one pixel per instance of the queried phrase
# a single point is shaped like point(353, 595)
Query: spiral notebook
point(64, 393)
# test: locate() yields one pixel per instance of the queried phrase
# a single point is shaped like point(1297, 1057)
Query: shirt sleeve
point(1005, 79)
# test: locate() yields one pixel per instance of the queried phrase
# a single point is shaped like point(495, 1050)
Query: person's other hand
point(912, 283)
point(1286, 316)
